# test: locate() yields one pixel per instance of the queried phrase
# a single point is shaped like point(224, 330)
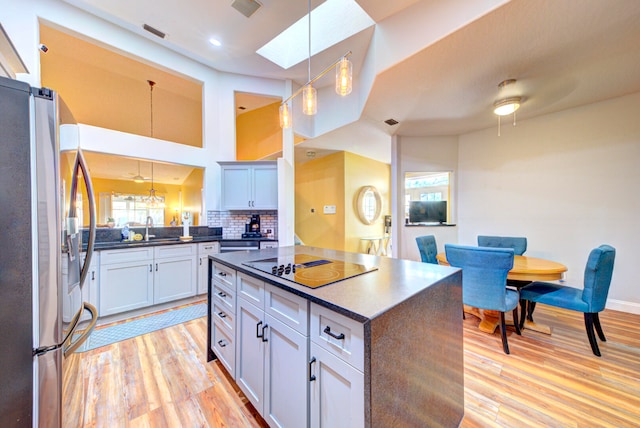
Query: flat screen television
point(427, 211)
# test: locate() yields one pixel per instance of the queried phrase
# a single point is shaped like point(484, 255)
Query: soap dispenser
point(125, 232)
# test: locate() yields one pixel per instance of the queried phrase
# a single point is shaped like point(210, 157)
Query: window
point(427, 186)
point(133, 210)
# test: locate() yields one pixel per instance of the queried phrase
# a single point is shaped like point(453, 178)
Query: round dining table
point(525, 268)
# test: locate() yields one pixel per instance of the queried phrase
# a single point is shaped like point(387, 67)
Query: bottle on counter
point(125, 232)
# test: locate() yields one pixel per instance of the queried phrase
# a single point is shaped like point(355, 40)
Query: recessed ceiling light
point(215, 42)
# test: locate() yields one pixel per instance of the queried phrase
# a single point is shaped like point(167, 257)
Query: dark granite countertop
point(363, 297)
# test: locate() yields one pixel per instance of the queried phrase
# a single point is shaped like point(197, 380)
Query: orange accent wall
point(111, 100)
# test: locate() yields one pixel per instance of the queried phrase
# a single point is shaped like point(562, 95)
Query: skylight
point(331, 22)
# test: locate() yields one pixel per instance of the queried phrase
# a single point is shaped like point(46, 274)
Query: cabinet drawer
point(108, 257)
point(251, 289)
point(224, 297)
point(206, 248)
point(224, 275)
point(223, 316)
point(224, 347)
point(340, 335)
point(288, 308)
point(165, 251)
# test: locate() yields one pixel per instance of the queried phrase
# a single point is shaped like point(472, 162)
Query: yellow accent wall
point(359, 172)
point(258, 133)
point(320, 182)
point(336, 180)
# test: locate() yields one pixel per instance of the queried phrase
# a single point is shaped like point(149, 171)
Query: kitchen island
point(381, 348)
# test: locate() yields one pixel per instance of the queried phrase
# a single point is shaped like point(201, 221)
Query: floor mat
point(127, 330)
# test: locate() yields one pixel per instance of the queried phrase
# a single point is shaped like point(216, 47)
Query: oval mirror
point(369, 204)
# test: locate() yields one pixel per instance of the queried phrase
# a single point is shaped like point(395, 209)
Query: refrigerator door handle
point(81, 164)
point(71, 346)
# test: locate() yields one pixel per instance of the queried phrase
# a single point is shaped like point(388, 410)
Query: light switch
point(329, 209)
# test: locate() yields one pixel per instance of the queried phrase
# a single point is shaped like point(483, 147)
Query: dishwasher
point(229, 245)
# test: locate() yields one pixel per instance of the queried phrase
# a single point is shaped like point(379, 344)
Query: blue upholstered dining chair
point(428, 248)
point(484, 280)
point(519, 244)
point(590, 300)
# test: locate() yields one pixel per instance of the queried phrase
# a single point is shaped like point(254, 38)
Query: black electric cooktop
point(310, 271)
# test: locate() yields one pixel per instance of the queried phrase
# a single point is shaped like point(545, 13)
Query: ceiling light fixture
point(344, 84)
point(215, 42)
point(152, 200)
point(507, 105)
point(138, 178)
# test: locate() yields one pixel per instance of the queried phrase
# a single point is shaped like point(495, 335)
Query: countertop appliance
point(252, 229)
point(35, 341)
point(310, 271)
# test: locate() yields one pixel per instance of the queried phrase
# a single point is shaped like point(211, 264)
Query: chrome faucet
point(146, 228)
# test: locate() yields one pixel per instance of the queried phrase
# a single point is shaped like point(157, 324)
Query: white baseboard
point(622, 306)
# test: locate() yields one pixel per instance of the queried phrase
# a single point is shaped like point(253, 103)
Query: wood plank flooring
point(162, 379)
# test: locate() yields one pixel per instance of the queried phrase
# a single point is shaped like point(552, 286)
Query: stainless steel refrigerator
point(38, 234)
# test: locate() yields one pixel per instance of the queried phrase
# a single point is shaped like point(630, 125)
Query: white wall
point(567, 181)
point(412, 154)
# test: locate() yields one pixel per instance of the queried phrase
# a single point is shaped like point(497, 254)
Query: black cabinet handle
point(264, 337)
point(150, 267)
point(200, 262)
point(156, 267)
point(311, 376)
point(258, 330)
point(222, 343)
point(222, 274)
point(327, 330)
point(222, 294)
point(222, 315)
point(93, 275)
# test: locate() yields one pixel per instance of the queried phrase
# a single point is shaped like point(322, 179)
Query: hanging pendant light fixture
point(344, 84)
point(152, 200)
point(309, 93)
point(508, 105)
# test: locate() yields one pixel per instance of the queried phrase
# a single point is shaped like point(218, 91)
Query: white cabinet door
point(125, 286)
point(237, 192)
point(265, 187)
point(249, 186)
point(285, 368)
point(204, 251)
point(174, 279)
point(336, 391)
point(250, 349)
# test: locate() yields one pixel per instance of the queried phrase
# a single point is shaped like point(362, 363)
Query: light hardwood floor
point(162, 379)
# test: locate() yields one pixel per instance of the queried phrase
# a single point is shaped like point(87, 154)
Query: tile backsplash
point(233, 222)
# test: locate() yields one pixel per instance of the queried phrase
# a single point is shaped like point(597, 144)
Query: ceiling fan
point(138, 178)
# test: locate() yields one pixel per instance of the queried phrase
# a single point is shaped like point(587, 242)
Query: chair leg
point(516, 322)
point(523, 312)
point(503, 331)
point(596, 324)
point(531, 307)
point(588, 323)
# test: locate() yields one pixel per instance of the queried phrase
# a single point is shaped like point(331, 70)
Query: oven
point(229, 245)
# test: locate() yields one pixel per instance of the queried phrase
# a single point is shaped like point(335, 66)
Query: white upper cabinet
point(249, 185)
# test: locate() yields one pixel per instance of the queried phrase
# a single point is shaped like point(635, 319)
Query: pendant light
point(344, 84)
point(152, 200)
point(309, 93)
